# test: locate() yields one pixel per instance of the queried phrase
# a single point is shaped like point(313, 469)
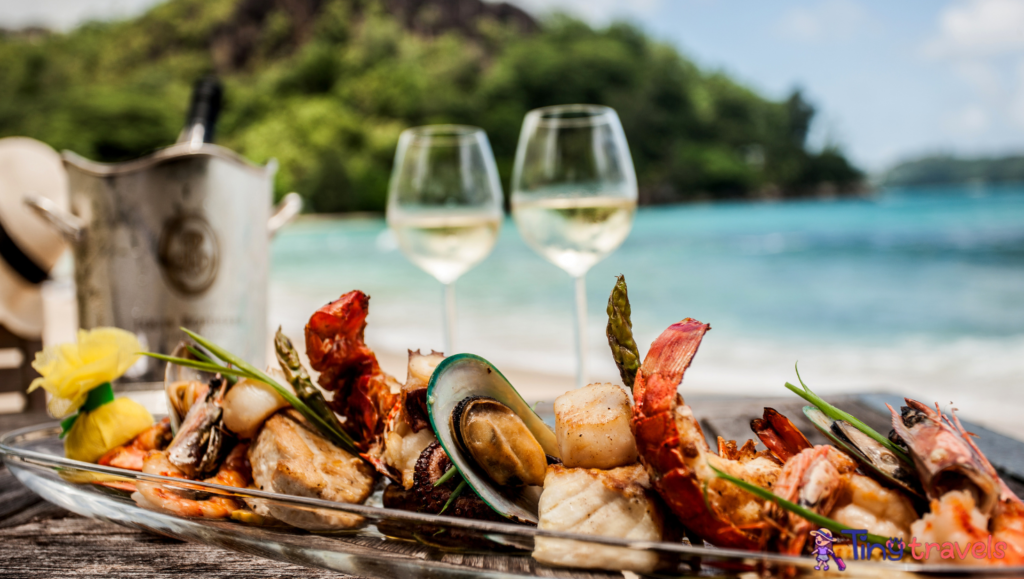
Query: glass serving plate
point(389, 543)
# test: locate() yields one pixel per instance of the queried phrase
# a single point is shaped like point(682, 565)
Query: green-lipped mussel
point(875, 457)
point(497, 442)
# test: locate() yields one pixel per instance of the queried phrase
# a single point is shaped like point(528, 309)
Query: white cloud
point(979, 28)
point(982, 43)
point(824, 21)
point(593, 11)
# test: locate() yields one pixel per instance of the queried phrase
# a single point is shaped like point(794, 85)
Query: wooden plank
point(77, 547)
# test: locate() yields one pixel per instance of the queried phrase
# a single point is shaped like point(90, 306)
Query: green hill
point(326, 86)
point(946, 169)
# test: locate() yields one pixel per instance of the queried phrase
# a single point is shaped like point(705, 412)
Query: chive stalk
point(447, 476)
point(455, 494)
point(837, 414)
point(245, 370)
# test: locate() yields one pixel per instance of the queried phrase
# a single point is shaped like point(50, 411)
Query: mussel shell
point(513, 456)
point(175, 378)
point(464, 375)
point(865, 450)
point(199, 444)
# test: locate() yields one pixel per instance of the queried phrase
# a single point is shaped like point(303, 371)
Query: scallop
point(592, 425)
point(493, 403)
point(248, 404)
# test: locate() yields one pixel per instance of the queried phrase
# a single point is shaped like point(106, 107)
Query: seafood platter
point(452, 473)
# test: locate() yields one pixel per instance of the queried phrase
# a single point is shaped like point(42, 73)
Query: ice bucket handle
point(285, 211)
point(69, 225)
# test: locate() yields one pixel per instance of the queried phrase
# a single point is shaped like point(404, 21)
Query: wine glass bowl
point(445, 204)
point(574, 193)
point(573, 187)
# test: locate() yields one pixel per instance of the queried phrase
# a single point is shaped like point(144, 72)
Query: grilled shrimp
point(131, 456)
point(969, 500)
point(234, 472)
point(677, 457)
point(865, 504)
point(812, 479)
point(824, 480)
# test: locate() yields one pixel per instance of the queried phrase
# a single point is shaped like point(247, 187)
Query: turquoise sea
point(918, 291)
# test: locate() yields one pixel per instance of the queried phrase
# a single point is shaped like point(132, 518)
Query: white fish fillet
point(289, 457)
point(612, 503)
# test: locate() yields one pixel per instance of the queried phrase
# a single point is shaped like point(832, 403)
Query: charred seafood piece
point(945, 457)
point(362, 392)
point(199, 443)
point(407, 431)
point(878, 460)
point(779, 434)
point(503, 432)
point(498, 441)
point(431, 497)
point(430, 494)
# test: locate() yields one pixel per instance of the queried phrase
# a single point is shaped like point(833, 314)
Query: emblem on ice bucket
point(188, 254)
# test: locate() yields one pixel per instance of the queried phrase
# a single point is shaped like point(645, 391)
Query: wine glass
point(445, 205)
point(574, 194)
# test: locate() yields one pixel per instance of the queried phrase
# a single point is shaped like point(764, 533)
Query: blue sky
point(891, 80)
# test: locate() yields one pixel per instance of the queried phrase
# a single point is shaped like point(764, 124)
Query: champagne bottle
point(207, 95)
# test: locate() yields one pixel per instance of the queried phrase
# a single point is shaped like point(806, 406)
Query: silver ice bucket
point(176, 239)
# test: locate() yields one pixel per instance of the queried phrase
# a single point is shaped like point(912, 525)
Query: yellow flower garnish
point(109, 426)
point(70, 371)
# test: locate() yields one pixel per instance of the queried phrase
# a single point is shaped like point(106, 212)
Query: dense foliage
point(945, 169)
point(329, 100)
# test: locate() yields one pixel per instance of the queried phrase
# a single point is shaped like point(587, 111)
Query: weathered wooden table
point(40, 540)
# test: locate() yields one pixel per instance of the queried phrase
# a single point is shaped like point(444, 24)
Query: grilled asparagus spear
point(620, 333)
point(300, 381)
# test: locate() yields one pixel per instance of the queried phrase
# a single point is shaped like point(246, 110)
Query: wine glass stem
point(449, 318)
point(581, 331)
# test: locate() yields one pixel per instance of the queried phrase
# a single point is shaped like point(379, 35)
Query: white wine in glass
point(444, 245)
point(575, 233)
point(444, 205)
point(574, 194)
